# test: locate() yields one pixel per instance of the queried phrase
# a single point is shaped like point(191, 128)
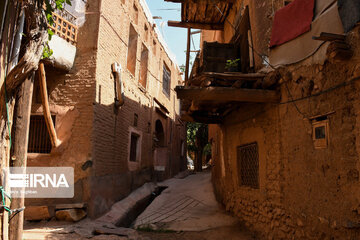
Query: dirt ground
point(236, 232)
point(223, 233)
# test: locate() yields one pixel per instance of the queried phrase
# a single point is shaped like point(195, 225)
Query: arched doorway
point(159, 134)
point(160, 151)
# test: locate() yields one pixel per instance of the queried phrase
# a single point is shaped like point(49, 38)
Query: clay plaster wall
point(71, 97)
point(305, 193)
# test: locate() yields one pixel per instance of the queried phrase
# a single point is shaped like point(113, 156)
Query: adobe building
point(112, 103)
point(284, 121)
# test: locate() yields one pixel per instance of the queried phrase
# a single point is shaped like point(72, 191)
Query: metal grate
point(39, 139)
point(166, 80)
point(248, 165)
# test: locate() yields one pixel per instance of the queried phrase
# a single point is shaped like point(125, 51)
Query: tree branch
point(37, 35)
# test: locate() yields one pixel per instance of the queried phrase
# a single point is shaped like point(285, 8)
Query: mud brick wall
point(96, 136)
point(304, 193)
point(71, 97)
point(113, 175)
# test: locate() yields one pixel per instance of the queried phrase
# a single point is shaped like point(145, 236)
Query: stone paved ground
point(186, 210)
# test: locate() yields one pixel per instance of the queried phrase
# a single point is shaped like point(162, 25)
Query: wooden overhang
point(202, 14)
point(211, 96)
point(227, 94)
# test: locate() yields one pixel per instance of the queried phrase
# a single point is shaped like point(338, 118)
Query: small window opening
point(134, 142)
point(144, 66)
point(320, 132)
point(132, 49)
point(248, 165)
point(166, 80)
point(39, 138)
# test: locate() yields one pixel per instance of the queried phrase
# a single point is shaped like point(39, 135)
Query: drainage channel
point(139, 207)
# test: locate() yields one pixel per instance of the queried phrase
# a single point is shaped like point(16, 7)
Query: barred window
point(248, 165)
point(166, 80)
point(39, 139)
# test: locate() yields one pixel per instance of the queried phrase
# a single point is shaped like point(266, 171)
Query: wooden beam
point(187, 56)
point(45, 102)
point(207, 26)
point(324, 36)
point(235, 76)
point(20, 146)
point(227, 94)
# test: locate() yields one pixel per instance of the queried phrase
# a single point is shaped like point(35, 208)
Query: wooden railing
point(64, 28)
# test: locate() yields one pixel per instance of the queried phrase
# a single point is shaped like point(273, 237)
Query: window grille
point(248, 165)
point(166, 80)
point(39, 139)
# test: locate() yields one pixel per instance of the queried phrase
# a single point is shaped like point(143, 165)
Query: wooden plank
point(45, 102)
point(207, 26)
point(227, 94)
point(235, 76)
point(330, 37)
point(187, 56)
point(19, 157)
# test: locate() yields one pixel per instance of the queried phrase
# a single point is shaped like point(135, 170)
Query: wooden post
point(19, 157)
point(46, 108)
point(187, 56)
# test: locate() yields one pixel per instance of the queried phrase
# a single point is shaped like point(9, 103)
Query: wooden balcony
point(64, 26)
point(211, 92)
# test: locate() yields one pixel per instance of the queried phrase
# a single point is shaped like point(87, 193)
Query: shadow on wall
point(123, 145)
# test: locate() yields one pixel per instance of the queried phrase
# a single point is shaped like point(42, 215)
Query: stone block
point(37, 213)
point(70, 215)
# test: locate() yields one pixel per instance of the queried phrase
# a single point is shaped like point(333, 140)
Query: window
point(39, 139)
point(166, 80)
point(143, 66)
point(134, 147)
point(248, 165)
point(132, 49)
point(320, 133)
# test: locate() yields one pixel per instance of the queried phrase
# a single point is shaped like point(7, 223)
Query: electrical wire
point(263, 57)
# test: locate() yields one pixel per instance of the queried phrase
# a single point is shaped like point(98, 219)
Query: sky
point(176, 38)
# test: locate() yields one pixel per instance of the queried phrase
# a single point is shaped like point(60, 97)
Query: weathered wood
point(46, 108)
point(37, 36)
point(235, 76)
point(206, 26)
point(227, 94)
point(19, 157)
point(187, 56)
point(330, 37)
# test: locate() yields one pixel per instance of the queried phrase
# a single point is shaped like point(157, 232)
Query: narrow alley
point(180, 119)
point(185, 210)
